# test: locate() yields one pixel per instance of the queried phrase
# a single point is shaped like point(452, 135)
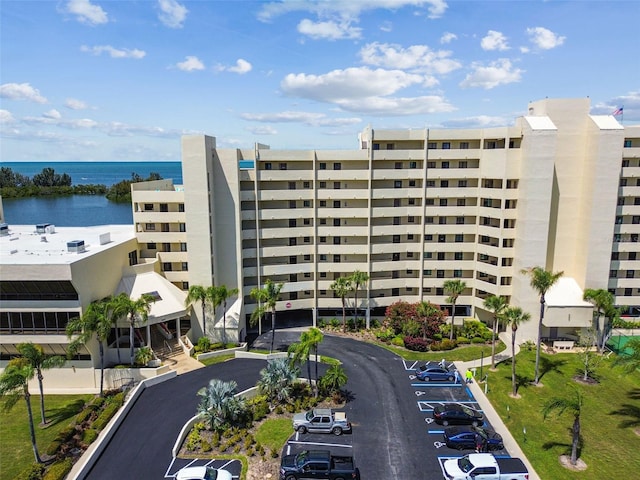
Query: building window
point(459, 220)
point(396, 239)
point(306, 184)
point(323, 258)
point(323, 203)
point(627, 143)
point(396, 220)
point(613, 274)
point(292, 185)
point(307, 221)
point(409, 254)
point(323, 221)
point(267, 166)
point(432, 145)
point(336, 259)
point(446, 145)
point(623, 182)
point(429, 201)
point(133, 258)
point(376, 146)
point(398, 165)
point(396, 202)
point(462, 164)
point(323, 166)
point(166, 266)
point(337, 166)
point(412, 183)
point(164, 207)
point(181, 207)
point(283, 166)
point(443, 202)
point(431, 183)
point(428, 219)
point(464, 145)
point(459, 238)
point(625, 163)
point(462, 183)
point(411, 219)
point(628, 292)
point(439, 273)
point(185, 266)
point(323, 239)
point(148, 207)
point(632, 255)
point(461, 202)
point(615, 255)
point(292, 204)
point(630, 273)
point(442, 220)
point(336, 240)
point(411, 201)
point(150, 227)
point(413, 164)
point(306, 203)
point(457, 274)
point(336, 204)
point(444, 183)
point(183, 247)
point(442, 238)
point(336, 222)
point(445, 164)
point(440, 256)
point(292, 222)
point(397, 184)
point(182, 227)
point(151, 246)
point(431, 164)
point(292, 241)
point(457, 256)
point(307, 258)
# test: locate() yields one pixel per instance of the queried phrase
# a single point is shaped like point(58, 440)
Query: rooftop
point(47, 244)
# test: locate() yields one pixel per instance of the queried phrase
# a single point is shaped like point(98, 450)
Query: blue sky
point(123, 80)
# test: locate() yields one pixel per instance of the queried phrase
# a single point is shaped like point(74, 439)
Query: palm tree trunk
point(204, 320)
point(309, 370)
point(537, 376)
point(493, 342)
point(27, 398)
point(315, 348)
point(101, 368)
point(576, 439)
point(453, 321)
point(355, 320)
point(40, 378)
point(513, 363)
point(344, 316)
point(273, 329)
point(118, 344)
point(224, 324)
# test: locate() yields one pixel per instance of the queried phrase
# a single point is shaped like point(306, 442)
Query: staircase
point(162, 347)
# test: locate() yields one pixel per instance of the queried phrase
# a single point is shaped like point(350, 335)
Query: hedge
point(58, 470)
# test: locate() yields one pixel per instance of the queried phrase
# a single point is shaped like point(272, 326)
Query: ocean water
point(82, 210)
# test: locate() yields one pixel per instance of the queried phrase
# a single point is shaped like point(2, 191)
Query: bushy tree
point(276, 380)
point(219, 407)
point(342, 286)
point(397, 314)
point(430, 318)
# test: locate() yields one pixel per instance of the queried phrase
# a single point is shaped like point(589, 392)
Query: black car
point(464, 438)
point(456, 414)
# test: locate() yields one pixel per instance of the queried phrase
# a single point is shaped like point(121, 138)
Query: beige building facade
point(413, 208)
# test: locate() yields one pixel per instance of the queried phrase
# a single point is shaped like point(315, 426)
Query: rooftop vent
point(4, 229)
point(42, 227)
point(75, 246)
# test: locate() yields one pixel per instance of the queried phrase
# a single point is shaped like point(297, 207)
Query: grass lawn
point(610, 413)
point(218, 359)
point(273, 433)
point(16, 452)
point(463, 353)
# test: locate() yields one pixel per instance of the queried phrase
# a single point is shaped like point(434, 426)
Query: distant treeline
point(50, 183)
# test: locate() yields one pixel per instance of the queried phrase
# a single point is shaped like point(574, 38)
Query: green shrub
point(58, 470)
point(334, 322)
point(463, 340)
point(205, 445)
point(528, 345)
point(107, 413)
point(84, 414)
point(478, 340)
point(274, 453)
point(398, 341)
point(203, 345)
point(63, 435)
point(447, 344)
point(260, 407)
point(321, 323)
point(34, 472)
point(193, 440)
point(89, 436)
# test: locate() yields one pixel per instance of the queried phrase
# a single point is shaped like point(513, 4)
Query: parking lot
point(234, 467)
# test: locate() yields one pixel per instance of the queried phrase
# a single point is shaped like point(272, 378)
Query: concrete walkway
point(490, 413)
point(182, 363)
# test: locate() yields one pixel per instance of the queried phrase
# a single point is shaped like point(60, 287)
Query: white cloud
point(415, 57)
point(386, 27)
point(330, 30)
point(86, 12)
point(307, 118)
point(75, 104)
point(397, 106)
point(630, 102)
point(346, 8)
point(349, 83)
point(241, 67)
point(53, 114)
point(21, 91)
point(172, 14)
point(114, 52)
point(494, 41)
point(262, 130)
point(500, 72)
point(190, 64)
point(544, 39)
point(6, 117)
point(447, 37)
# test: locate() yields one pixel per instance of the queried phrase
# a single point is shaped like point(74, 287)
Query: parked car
point(321, 420)
point(202, 473)
point(456, 414)
point(464, 438)
point(318, 464)
point(429, 374)
point(485, 466)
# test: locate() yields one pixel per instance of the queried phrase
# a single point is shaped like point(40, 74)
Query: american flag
point(618, 111)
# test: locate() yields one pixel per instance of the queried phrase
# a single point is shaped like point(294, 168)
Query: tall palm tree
point(198, 293)
point(541, 281)
point(630, 362)
point(314, 338)
point(39, 361)
point(342, 287)
point(97, 320)
point(267, 298)
point(454, 289)
point(14, 384)
point(334, 379)
point(221, 295)
point(133, 310)
point(358, 279)
point(604, 303)
point(514, 316)
point(497, 305)
point(574, 406)
point(300, 352)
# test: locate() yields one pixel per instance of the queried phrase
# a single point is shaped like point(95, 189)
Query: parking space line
point(438, 432)
point(434, 384)
point(321, 444)
point(412, 367)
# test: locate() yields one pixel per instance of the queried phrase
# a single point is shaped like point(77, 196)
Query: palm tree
point(341, 287)
point(454, 289)
point(541, 281)
point(300, 352)
point(39, 361)
point(96, 320)
point(574, 407)
point(267, 298)
point(219, 407)
point(222, 293)
point(604, 303)
point(198, 293)
point(427, 313)
point(497, 305)
point(334, 379)
point(514, 316)
point(276, 379)
point(630, 362)
point(125, 307)
point(14, 383)
point(358, 279)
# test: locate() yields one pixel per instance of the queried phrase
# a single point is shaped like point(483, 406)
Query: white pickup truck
point(484, 466)
point(321, 420)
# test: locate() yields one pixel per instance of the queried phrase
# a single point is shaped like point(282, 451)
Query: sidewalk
point(489, 412)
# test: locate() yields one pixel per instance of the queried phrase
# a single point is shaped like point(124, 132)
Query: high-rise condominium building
point(559, 189)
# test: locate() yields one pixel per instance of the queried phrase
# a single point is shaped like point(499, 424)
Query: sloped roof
point(566, 293)
point(170, 299)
